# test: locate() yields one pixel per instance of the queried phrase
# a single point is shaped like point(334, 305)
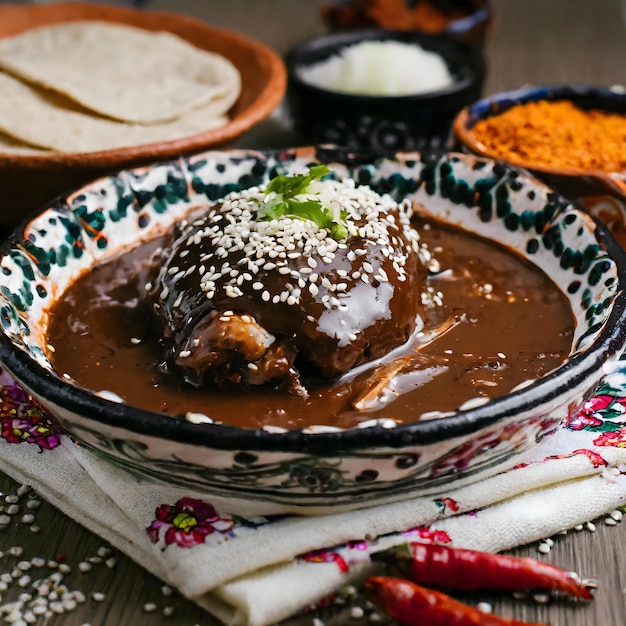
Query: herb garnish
point(290, 196)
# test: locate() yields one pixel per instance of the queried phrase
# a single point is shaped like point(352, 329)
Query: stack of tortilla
point(88, 86)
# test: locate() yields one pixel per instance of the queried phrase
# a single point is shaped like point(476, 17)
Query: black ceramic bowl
point(382, 124)
point(473, 27)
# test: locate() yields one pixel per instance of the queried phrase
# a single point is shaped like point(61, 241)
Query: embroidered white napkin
point(258, 571)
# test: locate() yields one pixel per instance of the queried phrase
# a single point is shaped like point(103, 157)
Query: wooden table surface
point(533, 41)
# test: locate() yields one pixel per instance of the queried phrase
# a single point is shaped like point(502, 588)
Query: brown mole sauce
point(516, 326)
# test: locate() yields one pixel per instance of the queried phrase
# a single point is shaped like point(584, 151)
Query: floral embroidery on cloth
point(604, 413)
point(354, 552)
point(190, 521)
point(24, 420)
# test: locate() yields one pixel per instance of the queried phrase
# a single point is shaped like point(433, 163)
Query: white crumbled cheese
point(380, 68)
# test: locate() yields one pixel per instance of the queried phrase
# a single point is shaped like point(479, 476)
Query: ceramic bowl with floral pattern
point(314, 469)
point(603, 193)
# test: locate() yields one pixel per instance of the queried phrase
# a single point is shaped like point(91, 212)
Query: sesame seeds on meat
point(317, 285)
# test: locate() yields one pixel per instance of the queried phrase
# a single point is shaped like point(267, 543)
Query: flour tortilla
point(9, 145)
point(47, 120)
point(122, 72)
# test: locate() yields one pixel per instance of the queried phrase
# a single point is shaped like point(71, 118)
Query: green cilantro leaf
point(291, 186)
point(284, 191)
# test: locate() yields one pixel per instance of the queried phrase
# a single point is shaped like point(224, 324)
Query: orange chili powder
point(556, 134)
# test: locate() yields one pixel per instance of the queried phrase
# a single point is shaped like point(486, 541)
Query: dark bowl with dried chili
point(571, 136)
point(465, 20)
point(381, 122)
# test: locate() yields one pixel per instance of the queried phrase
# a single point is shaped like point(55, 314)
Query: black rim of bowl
point(53, 389)
point(466, 62)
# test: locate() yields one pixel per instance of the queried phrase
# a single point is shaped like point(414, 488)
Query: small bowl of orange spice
point(573, 137)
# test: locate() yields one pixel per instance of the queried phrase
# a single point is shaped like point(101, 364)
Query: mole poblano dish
point(310, 301)
point(245, 322)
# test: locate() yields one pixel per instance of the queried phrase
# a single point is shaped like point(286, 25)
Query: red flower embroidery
point(583, 420)
point(326, 556)
point(446, 505)
point(427, 534)
point(595, 458)
point(187, 523)
point(23, 420)
point(596, 411)
point(598, 403)
point(615, 439)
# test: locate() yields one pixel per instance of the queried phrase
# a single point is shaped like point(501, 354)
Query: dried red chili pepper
point(445, 567)
point(410, 604)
